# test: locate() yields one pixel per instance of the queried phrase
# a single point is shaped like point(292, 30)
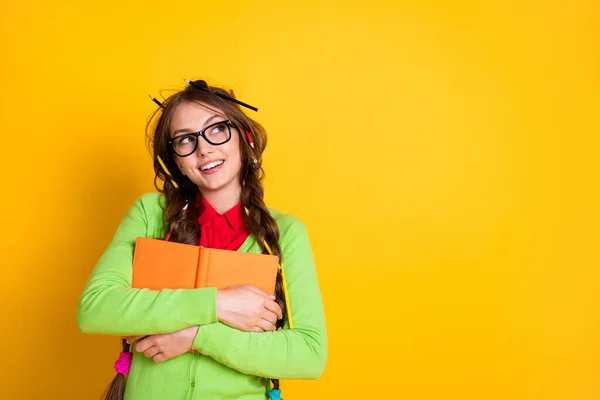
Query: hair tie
point(123, 362)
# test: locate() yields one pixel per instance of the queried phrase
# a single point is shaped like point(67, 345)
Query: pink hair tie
point(123, 363)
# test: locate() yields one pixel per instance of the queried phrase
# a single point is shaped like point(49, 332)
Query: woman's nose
point(204, 147)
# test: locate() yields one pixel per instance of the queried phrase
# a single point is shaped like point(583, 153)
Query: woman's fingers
point(131, 339)
point(152, 351)
point(266, 325)
point(243, 307)
point(144, 344)
point(274, 308)
point(269, 316)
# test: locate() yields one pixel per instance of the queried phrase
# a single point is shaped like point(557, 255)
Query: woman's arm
point(285, 354)
point(110, 306)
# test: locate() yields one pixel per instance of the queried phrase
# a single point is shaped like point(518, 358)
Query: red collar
point(232, 219)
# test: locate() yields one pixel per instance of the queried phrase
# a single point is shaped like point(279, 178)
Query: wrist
point(197, 340)
point(220, 311)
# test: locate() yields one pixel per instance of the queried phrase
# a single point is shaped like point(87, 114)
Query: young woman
point(207, 343)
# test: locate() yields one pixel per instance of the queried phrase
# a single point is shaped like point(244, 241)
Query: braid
point(263, 226)
point(182, 225)
point(116, 389)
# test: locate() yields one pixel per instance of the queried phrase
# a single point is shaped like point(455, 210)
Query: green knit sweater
point(231, 364)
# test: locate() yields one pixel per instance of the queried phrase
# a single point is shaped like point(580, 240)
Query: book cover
point(223, 268)
point(158, 264)
point(164, 265)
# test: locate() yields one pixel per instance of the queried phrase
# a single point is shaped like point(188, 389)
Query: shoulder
point(152, 201)
point(290, 226)
point(293, 239)
point(148, 204)
point(149, 208)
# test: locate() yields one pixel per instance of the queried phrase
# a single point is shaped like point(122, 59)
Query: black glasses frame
point(202, 134)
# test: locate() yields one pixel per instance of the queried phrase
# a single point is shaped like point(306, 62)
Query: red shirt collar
point(232, 219)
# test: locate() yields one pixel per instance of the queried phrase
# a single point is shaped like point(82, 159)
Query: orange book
point(158, 264)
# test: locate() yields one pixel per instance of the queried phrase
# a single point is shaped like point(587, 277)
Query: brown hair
point(116, 389)
point(183, 226)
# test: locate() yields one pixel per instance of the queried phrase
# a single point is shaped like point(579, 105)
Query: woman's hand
point(242, 307)
point(247, 308)
point(164, 347)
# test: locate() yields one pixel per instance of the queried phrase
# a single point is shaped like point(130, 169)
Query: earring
point(254, 163)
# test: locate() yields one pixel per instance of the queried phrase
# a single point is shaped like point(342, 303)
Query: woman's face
point(211, 167)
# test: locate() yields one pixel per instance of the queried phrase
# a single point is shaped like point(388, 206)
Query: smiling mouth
point(211, 165)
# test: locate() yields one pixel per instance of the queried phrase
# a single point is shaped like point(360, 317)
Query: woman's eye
point(185, 140)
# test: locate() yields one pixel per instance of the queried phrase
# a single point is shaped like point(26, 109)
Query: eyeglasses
point(215, 134)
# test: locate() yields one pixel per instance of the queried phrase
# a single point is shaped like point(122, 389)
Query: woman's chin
point(213, 186)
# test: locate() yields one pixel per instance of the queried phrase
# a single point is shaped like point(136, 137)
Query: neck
point(225, 198)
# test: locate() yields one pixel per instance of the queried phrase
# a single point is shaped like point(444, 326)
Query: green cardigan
point(231, 363)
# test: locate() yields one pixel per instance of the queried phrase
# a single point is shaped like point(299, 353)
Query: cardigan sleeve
point(109, 305)
point(287, 353)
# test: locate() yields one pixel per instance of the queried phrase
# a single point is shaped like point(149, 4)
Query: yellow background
point(441, 153)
